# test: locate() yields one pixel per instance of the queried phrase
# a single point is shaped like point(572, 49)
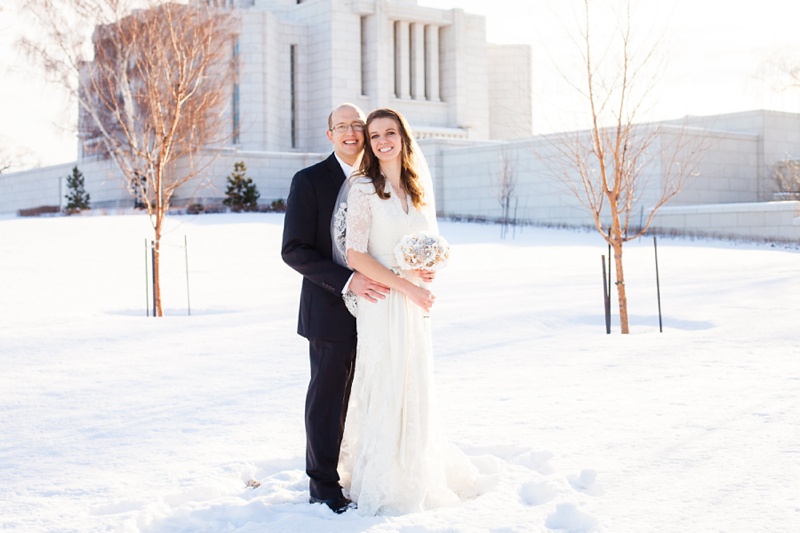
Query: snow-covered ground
point(113, 421)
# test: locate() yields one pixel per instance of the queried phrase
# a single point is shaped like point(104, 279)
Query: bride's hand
point(422, 297)
point(426, 275)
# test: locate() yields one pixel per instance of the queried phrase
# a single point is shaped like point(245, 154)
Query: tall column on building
point(402, 71)
point(458, 99)
point(432, 63)
point(417, 61)
point(380, 50)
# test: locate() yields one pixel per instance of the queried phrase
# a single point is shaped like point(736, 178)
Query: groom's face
point(348, 143)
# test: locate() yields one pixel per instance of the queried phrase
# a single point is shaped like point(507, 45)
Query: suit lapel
point(335, 173)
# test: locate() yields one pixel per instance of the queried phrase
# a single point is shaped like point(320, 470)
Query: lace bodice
point(375, 226)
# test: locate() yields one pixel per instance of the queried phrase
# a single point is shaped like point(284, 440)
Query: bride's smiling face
point(385, 138)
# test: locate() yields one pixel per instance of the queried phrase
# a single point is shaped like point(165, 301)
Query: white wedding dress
point(394, 460)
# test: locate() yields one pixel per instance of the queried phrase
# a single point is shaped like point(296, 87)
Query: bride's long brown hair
point(370, 164)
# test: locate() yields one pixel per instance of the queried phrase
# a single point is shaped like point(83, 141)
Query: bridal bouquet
point(422, 251)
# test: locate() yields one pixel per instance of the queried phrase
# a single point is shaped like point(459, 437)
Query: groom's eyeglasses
point(342, 128)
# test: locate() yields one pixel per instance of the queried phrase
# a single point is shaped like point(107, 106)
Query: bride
point(393, 459)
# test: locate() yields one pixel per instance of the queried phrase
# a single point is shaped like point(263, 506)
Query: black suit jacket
point(307, 249)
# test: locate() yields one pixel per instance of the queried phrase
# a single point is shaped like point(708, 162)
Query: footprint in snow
point(567, 517)
point(586, 482)
point(533, 493)
point(537, 461)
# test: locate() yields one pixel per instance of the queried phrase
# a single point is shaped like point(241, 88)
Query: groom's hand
point(368, 289)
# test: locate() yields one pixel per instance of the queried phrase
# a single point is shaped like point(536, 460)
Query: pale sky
point(714, 61)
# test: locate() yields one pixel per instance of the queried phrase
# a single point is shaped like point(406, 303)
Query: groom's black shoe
point(337, 505)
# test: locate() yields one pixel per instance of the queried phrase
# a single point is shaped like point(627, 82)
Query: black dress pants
point(332, 366)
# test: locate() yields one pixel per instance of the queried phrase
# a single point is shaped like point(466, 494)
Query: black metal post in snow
point(606, 296)
point(658, 286)
point(153, 266)
point(146, 281)
point(186, 257)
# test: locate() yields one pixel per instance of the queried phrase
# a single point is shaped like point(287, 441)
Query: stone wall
point(771, 221)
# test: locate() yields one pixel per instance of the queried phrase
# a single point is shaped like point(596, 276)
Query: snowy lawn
point(113, 421)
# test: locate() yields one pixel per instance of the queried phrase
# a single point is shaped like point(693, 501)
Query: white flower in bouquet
point(422, 251)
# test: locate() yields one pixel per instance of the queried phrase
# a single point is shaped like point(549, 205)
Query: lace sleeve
point(359, 219)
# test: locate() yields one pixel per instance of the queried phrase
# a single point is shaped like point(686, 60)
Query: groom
point(324, 319)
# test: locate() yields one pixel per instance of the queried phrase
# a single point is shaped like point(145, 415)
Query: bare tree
point(781, 72)
point(608, 168)
point(787, 178)
point(152, 85)
point(506, 185)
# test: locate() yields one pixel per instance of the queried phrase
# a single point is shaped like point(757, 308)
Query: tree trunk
point(621, 295)
point(157, 308)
